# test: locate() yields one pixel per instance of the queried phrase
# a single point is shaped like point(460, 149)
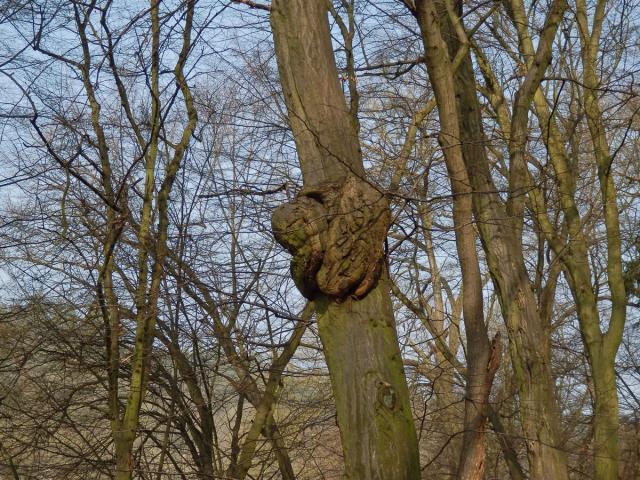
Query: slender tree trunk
point(123, 456)
point(601, 347)
point(605, 420)
point(335, 230)
point(530, 356)
point(601, 343)
point(506, 446)
point(528, 346)
point(481, 365)
point(441, 375)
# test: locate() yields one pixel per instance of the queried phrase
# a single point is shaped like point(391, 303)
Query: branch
point(251, 4)
point(246, 191)
point(400, 63)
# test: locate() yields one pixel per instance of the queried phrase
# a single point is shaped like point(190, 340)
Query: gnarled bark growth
point(335, 232)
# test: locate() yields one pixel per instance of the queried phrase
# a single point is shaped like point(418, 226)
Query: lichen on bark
point(335, 232)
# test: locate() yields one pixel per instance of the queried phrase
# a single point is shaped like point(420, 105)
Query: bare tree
point(335, 231)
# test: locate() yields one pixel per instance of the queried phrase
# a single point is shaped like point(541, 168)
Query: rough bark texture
point(335, 233)
point(367, 375)
point(335, 230)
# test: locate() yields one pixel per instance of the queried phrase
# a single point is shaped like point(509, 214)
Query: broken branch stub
point(335, 232)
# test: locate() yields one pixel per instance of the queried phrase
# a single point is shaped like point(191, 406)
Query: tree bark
point(338, 256)
point(123, 456)
point(606, 418)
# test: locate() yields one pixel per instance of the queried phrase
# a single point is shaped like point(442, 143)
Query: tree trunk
point(605, 420)
point(601, 346)
point(123, 456)
point(481, 364)
point(335, 231)
point(372, 399)
point(529, 351)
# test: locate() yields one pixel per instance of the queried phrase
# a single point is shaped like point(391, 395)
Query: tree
point(498, 223)
point(335, 230)
point(571, 242)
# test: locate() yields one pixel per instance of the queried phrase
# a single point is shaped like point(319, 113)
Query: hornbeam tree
point(499, 223)
point(335, 230)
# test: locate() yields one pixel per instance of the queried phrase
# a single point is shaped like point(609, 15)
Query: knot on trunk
point(335, 232)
